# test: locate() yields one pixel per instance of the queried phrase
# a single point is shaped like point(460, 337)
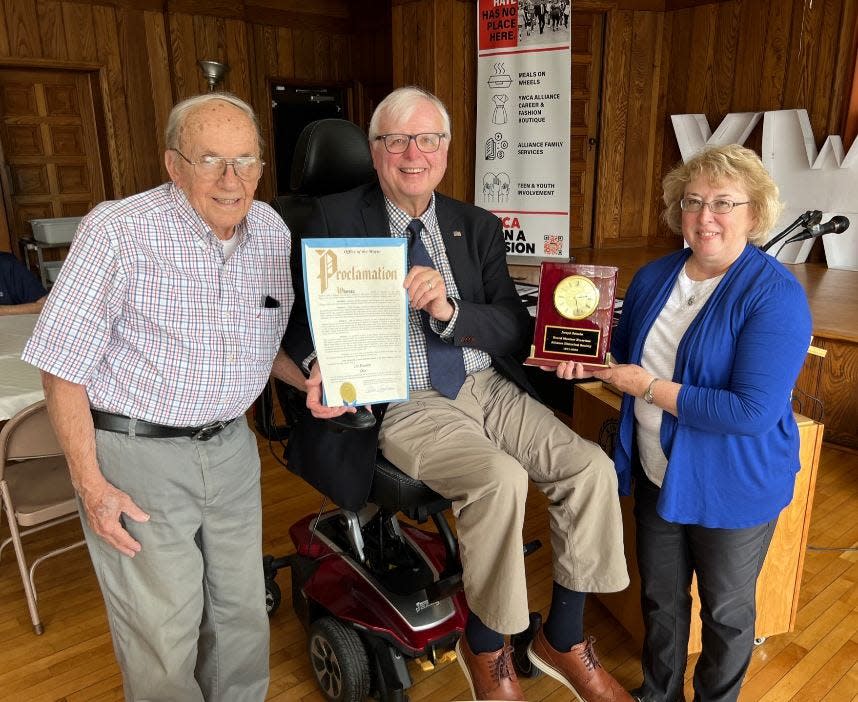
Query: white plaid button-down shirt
point(150, 318)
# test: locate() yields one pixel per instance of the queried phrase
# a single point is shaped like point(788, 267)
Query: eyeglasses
point(214, 167)
point(695, 204)
point(428, 142)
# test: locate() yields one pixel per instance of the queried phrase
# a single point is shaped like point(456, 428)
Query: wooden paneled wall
point(752, 55)
point(711, 58)
point(144, 55)
point(125, 48)
point(352, 51)
point(660, 58)
point(435, 47)
point(630, 129)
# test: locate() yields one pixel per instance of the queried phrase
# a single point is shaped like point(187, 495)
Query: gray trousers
point(727, 563)
point(479, 450)
point(187, 613)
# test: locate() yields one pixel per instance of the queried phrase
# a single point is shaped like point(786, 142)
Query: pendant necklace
point(693, 291)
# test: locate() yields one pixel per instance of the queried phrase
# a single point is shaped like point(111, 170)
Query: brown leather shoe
point(578, 669)
point(490, 675)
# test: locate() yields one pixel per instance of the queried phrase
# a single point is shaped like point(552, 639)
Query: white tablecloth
point(20, 383)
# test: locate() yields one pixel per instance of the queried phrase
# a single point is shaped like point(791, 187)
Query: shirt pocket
point(262, 330)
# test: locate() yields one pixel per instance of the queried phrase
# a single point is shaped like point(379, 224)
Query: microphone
point(808, 219)
point(835, 225)
point(814, 217)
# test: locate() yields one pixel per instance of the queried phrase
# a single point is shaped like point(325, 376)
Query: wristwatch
point(647, 396)
point(307, 363)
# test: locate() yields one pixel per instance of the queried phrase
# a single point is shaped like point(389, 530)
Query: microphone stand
point(807, 219)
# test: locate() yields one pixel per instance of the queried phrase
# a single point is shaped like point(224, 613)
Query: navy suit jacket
point(491, 318)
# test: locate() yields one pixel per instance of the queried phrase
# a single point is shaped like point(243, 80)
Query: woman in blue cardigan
point(710, 342)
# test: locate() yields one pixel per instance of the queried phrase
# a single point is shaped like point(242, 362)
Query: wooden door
point(587, 29)
point(50, 162)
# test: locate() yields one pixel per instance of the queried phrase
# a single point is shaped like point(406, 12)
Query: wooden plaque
point(574, 314)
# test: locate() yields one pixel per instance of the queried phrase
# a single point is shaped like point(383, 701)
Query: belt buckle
point(208, 431)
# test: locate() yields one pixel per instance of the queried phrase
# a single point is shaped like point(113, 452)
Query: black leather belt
point(122, 425)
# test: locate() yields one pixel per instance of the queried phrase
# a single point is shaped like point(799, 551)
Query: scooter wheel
point(339, 661)
point(272, 596)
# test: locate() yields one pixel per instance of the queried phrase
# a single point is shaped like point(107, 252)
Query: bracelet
point(647, 396)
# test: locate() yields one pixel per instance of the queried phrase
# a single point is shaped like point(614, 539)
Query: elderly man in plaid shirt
point(160, 332)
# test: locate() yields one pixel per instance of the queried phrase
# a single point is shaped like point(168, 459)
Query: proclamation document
point(358, 313)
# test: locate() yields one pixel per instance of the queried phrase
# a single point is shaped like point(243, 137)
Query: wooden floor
point(73, 660)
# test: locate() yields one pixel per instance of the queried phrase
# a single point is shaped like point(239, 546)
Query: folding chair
point(35, 487)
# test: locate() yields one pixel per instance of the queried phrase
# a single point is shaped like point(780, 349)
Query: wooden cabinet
point(594, 416)
point(832, 381)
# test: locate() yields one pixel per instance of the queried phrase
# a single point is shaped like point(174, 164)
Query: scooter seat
point(394, 491)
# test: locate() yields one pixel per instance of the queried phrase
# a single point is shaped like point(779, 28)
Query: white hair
point(180, 112)
point(401, 103)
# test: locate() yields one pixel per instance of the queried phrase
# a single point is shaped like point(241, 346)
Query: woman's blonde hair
point(726, 164)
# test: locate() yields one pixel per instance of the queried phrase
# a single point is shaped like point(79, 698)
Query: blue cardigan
point(733, 451)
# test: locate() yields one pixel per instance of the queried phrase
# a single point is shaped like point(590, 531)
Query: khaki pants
point(479, 451)
point(187, 613)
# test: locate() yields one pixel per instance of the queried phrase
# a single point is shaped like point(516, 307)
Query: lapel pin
point(456, 232)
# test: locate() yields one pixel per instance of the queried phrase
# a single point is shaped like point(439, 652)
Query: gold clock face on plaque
point(576, 297)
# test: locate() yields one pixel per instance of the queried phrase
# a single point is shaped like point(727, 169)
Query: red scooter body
point(341, 586)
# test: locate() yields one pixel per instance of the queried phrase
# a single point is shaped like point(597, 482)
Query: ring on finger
point(429, 284)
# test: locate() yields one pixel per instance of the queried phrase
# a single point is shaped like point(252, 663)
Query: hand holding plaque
point(574, 315)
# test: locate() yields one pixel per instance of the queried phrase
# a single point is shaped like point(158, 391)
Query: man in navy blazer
point(479, 443)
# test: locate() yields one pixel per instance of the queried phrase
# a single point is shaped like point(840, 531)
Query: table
point(30, 245)
point(594, 416)
point(20, 383)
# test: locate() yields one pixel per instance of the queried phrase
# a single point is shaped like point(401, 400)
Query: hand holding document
point(358, 313)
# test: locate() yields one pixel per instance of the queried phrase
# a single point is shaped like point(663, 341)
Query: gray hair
point(401, 103)
point(180, 112)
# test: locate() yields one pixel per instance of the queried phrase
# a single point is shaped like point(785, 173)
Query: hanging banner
point(521, 174)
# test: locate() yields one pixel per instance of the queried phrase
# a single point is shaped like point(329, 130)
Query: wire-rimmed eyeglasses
point(695, 204)
point(214, 167)
point(427, 142)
